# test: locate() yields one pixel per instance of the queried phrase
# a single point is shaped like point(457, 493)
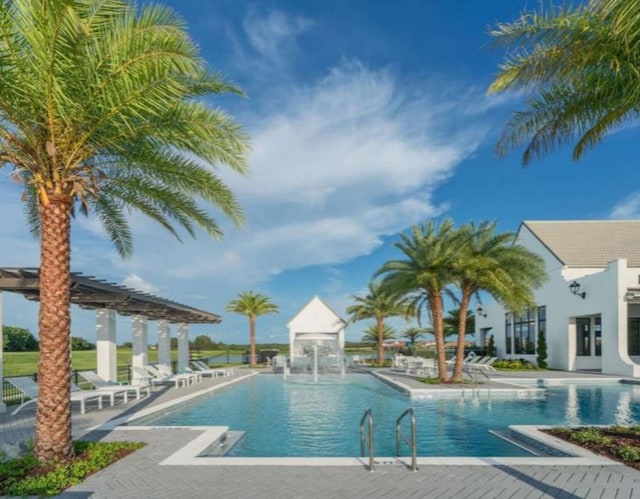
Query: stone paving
point(140, 475)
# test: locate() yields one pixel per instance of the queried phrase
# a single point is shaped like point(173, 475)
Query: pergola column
point(3, 407)
point(106, 344)
point(164, 343)
point(139, 341)
point(183, 346)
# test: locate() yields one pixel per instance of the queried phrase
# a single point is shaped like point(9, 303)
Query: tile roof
point(589, 243)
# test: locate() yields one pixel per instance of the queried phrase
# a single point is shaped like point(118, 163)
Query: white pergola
point(108, 300)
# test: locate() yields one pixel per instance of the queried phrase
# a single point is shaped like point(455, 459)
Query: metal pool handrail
point(367, 417)
point(411, 443)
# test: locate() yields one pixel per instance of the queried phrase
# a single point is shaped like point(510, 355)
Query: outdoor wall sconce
point(574, 287)
point(480, 311)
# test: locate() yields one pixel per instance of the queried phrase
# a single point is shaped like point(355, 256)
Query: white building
point(589, 308)
point(316, 326)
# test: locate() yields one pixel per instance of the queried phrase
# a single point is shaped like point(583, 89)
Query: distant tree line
point(20, 339)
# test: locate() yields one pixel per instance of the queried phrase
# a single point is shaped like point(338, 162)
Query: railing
point(411, 443)
point(367, 417)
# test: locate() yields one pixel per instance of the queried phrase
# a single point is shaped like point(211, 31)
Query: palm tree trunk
point(252, 341)
point(456, 376)
point(380, 322)
point(53, 413)
point(435, 306)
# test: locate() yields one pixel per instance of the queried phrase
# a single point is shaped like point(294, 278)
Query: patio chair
point(158, 377)
point(110, 386)
point(166, 370)
point(201, 366)
point(30, 390)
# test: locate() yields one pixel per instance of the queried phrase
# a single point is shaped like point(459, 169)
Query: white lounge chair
point(158, 378)
point(30, 389)
point(201, 366)
point(110, 386)
point(190, 377)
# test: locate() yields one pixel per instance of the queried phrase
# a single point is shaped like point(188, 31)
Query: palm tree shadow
point(537, 484)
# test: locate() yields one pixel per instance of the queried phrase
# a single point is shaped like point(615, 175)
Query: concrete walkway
point(141, 475)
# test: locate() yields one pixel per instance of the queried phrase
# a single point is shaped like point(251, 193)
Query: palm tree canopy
point(377, 304)
point(497, 264)
point(580, 66)
point(452, 319)
point(252, 305)
point(427, 267)
point(370, 334)
point(413, 333)
point(101, 102)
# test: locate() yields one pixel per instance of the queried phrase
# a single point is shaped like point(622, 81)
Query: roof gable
point(316, 316)
point(589, 243)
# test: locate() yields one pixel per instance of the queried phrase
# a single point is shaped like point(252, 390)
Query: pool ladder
point(366, 426)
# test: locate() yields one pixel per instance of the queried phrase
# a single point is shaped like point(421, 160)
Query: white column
point(164, 343)
point(106, 344)
point(3, 407)
point(139, 341)
point(183, 346)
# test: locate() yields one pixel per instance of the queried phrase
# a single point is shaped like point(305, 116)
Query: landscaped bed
point(620, 443)
point(25, 476)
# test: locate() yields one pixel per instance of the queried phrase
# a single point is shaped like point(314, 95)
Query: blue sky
point(366, 116)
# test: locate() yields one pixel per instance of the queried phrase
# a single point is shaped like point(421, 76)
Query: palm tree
point(424, 273)
point(452, 321)
point(252, 305)
point(377, 305)
point(372, 334)
point(101, 112)
point(413, 333)
point(493, 263)
point(580, 66)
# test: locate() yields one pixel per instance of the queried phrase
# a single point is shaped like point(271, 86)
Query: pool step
point(513, 439)
point(222, 445)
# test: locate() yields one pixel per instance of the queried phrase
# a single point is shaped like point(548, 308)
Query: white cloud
point(274, 35)
point(627, 208)
point(136, 282)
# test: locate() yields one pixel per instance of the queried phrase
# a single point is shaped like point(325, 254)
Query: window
point(524, 332)
point(597, 326)
point(583, 338)
point(633, 328)
point(542, 321)
point(507, 328)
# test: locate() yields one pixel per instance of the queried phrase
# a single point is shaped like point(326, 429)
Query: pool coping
point(189, 453)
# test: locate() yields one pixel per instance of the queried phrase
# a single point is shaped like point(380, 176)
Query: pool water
point(300, 418)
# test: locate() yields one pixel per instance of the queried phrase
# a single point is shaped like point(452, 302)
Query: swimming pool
point(300, 418)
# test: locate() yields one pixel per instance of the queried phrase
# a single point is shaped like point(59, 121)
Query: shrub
point(629, 453)
point(20, 476)
point(589, 436)
point(491, 347)
point(513, 364)
point(541, 351)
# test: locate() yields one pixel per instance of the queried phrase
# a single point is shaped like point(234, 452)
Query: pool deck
point(143, 474)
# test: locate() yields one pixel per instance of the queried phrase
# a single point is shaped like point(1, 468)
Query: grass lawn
point(24, 363)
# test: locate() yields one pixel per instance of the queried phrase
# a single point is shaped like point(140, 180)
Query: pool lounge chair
point(110, 386)
point(30, 390)
point(190, 377)
point(201, 366)
point(159, 378)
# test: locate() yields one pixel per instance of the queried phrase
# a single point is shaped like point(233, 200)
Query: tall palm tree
point(580, 66)
point(424, 273)
point(372, 334)
point(101, 112)
point(252, 305)
point(493, 263)
point(378, 305)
